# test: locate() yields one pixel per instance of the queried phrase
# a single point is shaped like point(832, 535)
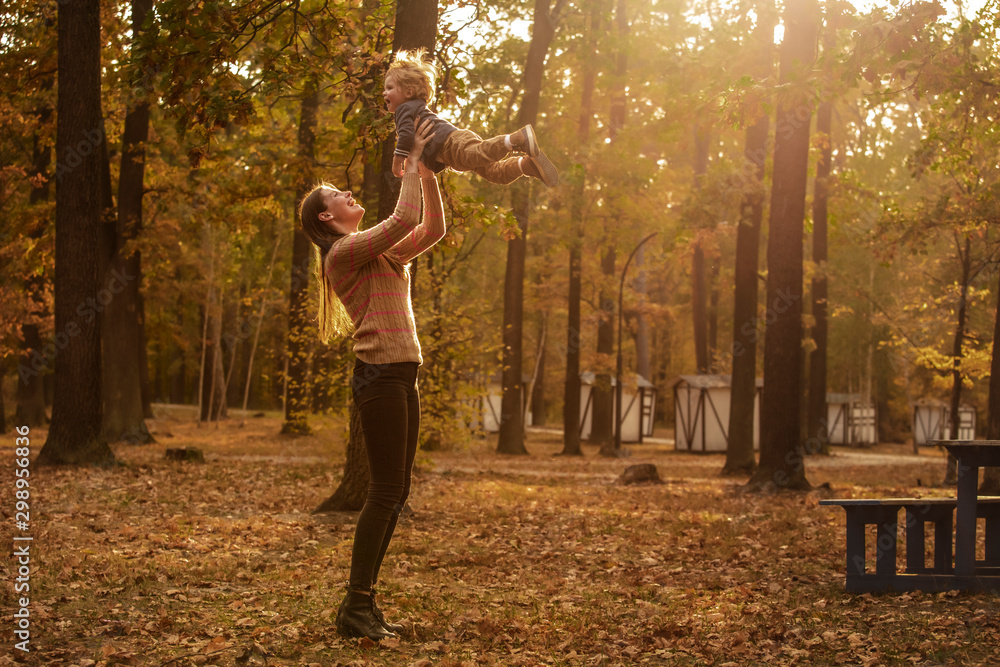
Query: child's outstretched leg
point(464, 150)
point(504, 172)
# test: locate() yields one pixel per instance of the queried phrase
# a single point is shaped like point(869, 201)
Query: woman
point(365, 283)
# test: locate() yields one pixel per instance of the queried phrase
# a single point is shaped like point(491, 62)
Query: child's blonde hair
point(414, 74)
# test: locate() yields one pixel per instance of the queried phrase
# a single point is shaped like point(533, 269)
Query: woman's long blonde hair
point(332, 318)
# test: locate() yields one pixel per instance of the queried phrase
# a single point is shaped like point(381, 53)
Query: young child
point(409, 87)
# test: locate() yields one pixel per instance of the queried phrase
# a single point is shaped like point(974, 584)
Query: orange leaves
point(526, 561)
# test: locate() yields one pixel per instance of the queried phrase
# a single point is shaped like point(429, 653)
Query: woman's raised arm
point(432, 228)
point(362, 247)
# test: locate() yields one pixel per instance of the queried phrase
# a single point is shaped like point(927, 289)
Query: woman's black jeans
point(387, 398)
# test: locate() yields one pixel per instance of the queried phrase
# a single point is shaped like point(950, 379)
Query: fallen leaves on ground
point(504, 561)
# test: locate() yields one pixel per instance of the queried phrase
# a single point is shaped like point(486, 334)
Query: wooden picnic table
point(967, 573)
point(972, 455)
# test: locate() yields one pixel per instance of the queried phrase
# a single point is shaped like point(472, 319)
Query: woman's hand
point(423, 134)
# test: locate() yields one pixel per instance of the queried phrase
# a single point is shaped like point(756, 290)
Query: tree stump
point(186, 454)
point(640, 473)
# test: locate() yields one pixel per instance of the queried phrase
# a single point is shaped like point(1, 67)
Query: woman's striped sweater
point(375, 294)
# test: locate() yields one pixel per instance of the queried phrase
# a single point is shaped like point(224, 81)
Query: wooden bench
point(884, 514)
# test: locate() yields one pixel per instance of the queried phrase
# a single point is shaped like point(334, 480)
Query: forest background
point(214, 117)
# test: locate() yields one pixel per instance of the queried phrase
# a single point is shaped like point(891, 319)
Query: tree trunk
point(698, 309)
point(699, 294)
point(642, 351)
point(213, 398)
point(301, 332)
point(951, 471)
point(572, 386)
point(619, 101)
point(124, 416)
point(817, 435)
point(740, 458)
point(603, 419)
point(511, 436)
point(601, 394)
point(781, 460)
point(416, 27)
point(571, 393)
point(257, 325)
point(538, 381)
point(511, 433)
point(991, 476)
point(231, 343)
point(353, 488)
point(75, 435)
point(177, 371)
point(713, 316)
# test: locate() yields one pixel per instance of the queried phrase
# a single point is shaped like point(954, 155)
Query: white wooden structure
point(966, 422)
point(638, 406)
point(932, 421)
point(849, 421)
point(701, 412)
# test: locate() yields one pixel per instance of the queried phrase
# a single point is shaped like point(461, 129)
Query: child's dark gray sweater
point(408, 116)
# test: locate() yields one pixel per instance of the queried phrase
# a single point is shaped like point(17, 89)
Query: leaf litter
point(538, 560)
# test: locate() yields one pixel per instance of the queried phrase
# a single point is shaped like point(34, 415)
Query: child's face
point(394, 94)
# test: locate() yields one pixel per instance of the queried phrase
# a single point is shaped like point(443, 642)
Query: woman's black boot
point(356, 618)
point(395, 628)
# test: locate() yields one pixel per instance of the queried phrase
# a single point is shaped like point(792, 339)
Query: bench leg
point(965, 519)
point(855, 542)
point(885, 544)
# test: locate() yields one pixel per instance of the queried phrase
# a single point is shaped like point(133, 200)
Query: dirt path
point(879, 455)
